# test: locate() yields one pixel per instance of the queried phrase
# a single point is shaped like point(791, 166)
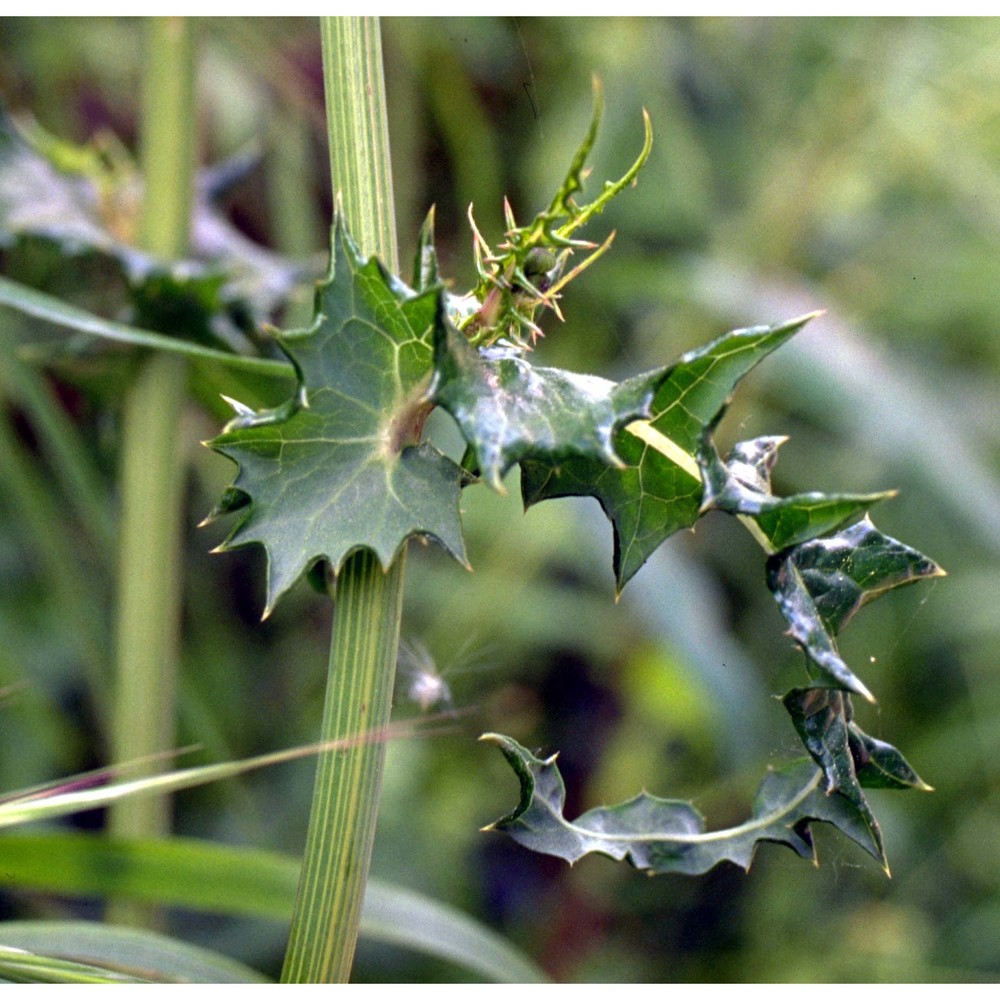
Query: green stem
point(368, 600)
point(358, 130)
point(168, 136)
point(348, 782)
point(148, 606)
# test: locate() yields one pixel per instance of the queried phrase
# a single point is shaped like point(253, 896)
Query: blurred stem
point(368, 605)
point(50, 532)
point(168, 157)
point(148, 607)
point(43, 526)
point(290, 180)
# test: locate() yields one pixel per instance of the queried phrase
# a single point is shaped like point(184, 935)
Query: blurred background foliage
point(845, 165)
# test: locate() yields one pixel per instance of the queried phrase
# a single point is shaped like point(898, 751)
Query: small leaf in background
point(426, 273)
point(820, 584)
point(664, 835)
point(85, 199)
point(77, 951)
point(659, 489)
point(338, 468)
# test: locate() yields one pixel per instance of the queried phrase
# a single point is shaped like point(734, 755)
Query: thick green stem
point(348, 782)
point(148, 606)
point(358, 130)
point(368, 600)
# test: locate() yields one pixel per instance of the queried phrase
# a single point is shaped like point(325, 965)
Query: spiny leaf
point(742, 485)
point(338, 468)
point(881, 765)
point(819, 585)
point(821, 718)
point(664, 835)
point(509, 409)
point(851, 760)
point(658, 491)
point(855, 566)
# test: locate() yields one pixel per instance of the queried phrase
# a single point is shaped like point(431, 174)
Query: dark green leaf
point(821, 717)
point(742, 485)
point(509, 409)
point(820, 584)
point(336, 468)
point(854, 567)
point(658, 491)
point(881, 765)
point(849, 757)
point(663, 835)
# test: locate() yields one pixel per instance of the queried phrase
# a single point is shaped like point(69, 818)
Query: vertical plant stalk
point(148, 604)
point(358, 131)
point(290, 178)
point(366, 619)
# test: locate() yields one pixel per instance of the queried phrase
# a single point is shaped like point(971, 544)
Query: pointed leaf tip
point(659, 490)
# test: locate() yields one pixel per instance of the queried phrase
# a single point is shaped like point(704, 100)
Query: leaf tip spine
point(807, 317)
point(862, 690)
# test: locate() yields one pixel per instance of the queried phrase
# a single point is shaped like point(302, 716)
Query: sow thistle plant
point(335, 481)
point(342, 467)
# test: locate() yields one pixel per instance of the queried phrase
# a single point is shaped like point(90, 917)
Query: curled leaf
point(742, 485)
point(819, 585)
point(510, 410)
point(881, 765)
point(665, 835)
